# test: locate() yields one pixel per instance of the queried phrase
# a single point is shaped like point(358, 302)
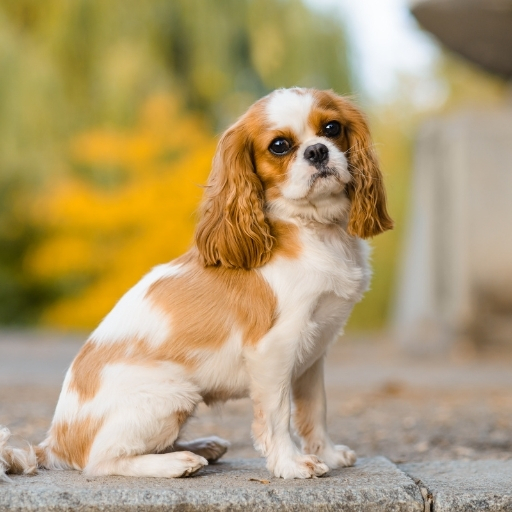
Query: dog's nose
point(317, 153)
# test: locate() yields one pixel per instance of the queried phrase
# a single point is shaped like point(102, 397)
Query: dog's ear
point(368, 211)
point(232, 229)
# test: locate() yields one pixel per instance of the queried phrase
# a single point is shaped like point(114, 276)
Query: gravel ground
point(381, 402)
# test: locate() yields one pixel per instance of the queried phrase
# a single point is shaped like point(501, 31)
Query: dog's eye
point(332, 129)
point(279, 146)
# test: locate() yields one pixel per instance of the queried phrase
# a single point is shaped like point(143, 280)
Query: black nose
point(317, 153)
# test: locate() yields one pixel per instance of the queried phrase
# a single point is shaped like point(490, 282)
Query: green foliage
point(21, 298)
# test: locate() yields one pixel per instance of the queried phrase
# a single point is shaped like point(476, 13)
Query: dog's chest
point(337, 264)
point(330, 263)
point(317, 291)
point(322, 326)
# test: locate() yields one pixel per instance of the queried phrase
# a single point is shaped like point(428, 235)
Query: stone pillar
point(457, 274)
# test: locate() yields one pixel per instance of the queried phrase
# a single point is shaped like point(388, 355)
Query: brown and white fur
point(278, 263)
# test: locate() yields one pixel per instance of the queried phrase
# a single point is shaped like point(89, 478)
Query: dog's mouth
point(324, 172)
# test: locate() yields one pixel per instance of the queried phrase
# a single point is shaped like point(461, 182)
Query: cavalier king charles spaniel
point(278, 262)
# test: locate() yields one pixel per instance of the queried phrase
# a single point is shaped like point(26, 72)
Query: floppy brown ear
point(368, 210)
point(232, 229)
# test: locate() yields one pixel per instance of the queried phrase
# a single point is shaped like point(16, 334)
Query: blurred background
point(110, 111)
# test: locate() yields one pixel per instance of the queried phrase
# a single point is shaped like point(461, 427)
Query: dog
point(278, 262)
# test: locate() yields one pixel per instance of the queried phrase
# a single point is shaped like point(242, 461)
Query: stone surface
point(374, 484)
point(465, 486)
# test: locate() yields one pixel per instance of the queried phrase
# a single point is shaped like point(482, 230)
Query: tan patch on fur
point(181, 417)
point(273, 169)
point(20, 460)
point(303, 420)
point(217, 395)
point(320, 116)
point(71, 442)
point(41, 456)
point(92, 359)
point(88, 364)
point(310, 465)
point(205, 303)
point(288, 242)
point(14, 464)
point(233, 230)
point(259, 426)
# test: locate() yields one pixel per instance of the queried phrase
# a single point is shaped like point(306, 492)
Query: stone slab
point(374, 484)
point(453, 486)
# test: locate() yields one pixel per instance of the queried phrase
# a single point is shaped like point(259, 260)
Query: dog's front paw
point(301, 466)
point(338, 456)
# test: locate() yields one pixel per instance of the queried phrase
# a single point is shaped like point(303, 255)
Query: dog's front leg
point(271, 383)
point(310, 418)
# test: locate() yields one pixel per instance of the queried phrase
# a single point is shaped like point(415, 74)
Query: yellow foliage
point(112, 235)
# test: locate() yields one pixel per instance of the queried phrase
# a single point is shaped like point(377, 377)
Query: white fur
point(297, 185)
point(134, 315)
point(290, 108)
point(164, 465)
point(139, 403)
point(5, 434)
point(222, 371)
point(309, 387)
point(69, 406)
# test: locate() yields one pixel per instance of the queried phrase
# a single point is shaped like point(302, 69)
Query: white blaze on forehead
point(290, 108)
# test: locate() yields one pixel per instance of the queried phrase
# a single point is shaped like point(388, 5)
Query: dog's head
point(295, 153)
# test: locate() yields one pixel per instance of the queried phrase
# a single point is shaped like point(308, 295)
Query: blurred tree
point(226, 54)
point(130, 205)
point(88, 65)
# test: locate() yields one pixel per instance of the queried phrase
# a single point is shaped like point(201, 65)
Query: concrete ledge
point(465, 486)
point(231, 485)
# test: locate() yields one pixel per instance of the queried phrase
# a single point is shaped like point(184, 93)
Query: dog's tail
point(18, 460)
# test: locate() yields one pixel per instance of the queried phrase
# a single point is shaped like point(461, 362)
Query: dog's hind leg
point(134, 449)
point(163, 465)
point(143, 410)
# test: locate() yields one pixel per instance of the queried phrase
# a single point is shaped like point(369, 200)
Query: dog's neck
point(325, 211)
